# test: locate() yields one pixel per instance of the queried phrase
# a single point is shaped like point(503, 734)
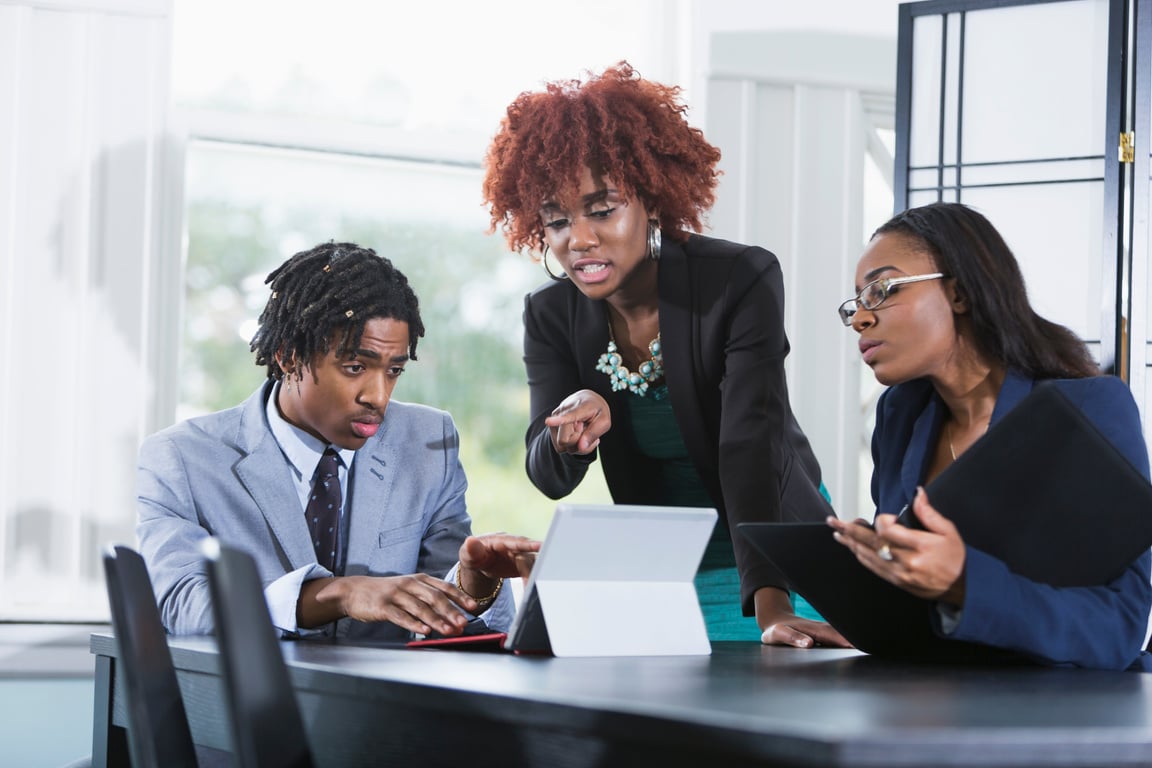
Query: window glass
point(249, 208)
point(442, 64)
point(381, 114)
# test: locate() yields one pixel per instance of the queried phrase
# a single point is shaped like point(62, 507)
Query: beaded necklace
point(636, 382)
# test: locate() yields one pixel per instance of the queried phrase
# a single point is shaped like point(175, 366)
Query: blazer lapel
point(676, 339)
point(1014, 389)
point(590, 322)
point(927, 428)
point(372, 478)
point(265, 474)
point(919, 451)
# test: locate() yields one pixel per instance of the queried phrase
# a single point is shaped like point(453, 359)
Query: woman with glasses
point(944, 320)
point(657, 350)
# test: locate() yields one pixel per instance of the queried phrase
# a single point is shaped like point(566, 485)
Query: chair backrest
point(267, 729)
point(158, 733)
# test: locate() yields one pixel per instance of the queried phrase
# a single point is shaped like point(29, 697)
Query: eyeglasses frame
point(887, 284)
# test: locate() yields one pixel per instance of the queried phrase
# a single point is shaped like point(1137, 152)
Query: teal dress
point(717, 580)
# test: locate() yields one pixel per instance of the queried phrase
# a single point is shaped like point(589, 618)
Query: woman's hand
point(781, 626)
point(928, 563)
point(578, 422)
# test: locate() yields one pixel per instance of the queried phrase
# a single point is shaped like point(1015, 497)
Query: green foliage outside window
point(469, 360)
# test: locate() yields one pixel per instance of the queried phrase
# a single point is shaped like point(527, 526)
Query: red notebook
point(488, 641)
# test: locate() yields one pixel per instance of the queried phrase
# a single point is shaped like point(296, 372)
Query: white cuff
point(283, 595)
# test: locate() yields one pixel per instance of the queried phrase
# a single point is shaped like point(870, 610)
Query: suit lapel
point(919, 453)
point(1014, 389)
point(372, 477)
point(676, 337)
point(590, 320)
point(927, 428)
point(265, 474)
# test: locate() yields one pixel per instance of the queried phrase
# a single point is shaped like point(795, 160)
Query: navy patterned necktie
point(323, 511)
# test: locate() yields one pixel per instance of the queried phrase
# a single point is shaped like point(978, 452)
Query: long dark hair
point(1007, 330)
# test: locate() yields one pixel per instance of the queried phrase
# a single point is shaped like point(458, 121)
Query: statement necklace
point(637, 381)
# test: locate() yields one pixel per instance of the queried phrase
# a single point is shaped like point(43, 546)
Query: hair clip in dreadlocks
point(327, 267)
point(349, 313)
point(275, 294)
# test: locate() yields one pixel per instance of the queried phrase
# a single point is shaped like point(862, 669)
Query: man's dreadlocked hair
point(334, 288)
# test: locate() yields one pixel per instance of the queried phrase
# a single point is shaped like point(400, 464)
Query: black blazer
point(722, 333)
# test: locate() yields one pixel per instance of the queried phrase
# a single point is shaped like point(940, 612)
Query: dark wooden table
point(744, 705)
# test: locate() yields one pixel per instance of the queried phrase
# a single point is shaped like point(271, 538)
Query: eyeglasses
point(877, 292)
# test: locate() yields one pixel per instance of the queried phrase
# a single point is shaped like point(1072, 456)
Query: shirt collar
point(302, 450)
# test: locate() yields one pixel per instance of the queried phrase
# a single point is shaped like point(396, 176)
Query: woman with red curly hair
point(658, 349)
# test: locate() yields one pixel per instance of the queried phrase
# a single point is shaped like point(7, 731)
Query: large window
point(306, 127)
point(249, 207)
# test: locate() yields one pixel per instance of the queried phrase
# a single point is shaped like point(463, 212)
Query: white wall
point(794, 125)
point(704, 18)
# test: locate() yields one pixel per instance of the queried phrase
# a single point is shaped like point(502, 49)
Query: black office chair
point(158, 733)
point(267, 729)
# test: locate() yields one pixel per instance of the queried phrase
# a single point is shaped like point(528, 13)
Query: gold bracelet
point(480, 600)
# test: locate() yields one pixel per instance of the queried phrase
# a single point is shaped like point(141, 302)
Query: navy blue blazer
point(1098, 627)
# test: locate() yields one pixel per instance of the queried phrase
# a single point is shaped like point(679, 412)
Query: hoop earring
point(654, 239)
point(544, 262)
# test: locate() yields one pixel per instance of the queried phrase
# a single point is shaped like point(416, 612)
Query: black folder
point(1043, 490)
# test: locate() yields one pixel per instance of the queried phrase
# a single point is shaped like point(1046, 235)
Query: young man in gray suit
point(385, 515)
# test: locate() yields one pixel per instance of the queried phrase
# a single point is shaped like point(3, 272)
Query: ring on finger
point(884, 552)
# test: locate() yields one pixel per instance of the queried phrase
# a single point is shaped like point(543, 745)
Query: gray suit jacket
point(224, 475)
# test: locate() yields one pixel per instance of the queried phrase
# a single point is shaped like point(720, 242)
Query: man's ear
point(287, 364)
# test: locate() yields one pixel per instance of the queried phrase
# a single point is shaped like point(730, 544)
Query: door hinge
point(1127, 147)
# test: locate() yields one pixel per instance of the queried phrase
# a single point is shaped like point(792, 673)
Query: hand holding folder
point(1022, 494)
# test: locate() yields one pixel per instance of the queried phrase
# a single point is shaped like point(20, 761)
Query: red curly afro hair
point(631, 130)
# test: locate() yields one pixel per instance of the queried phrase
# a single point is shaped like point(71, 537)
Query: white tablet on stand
point(616, 580)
